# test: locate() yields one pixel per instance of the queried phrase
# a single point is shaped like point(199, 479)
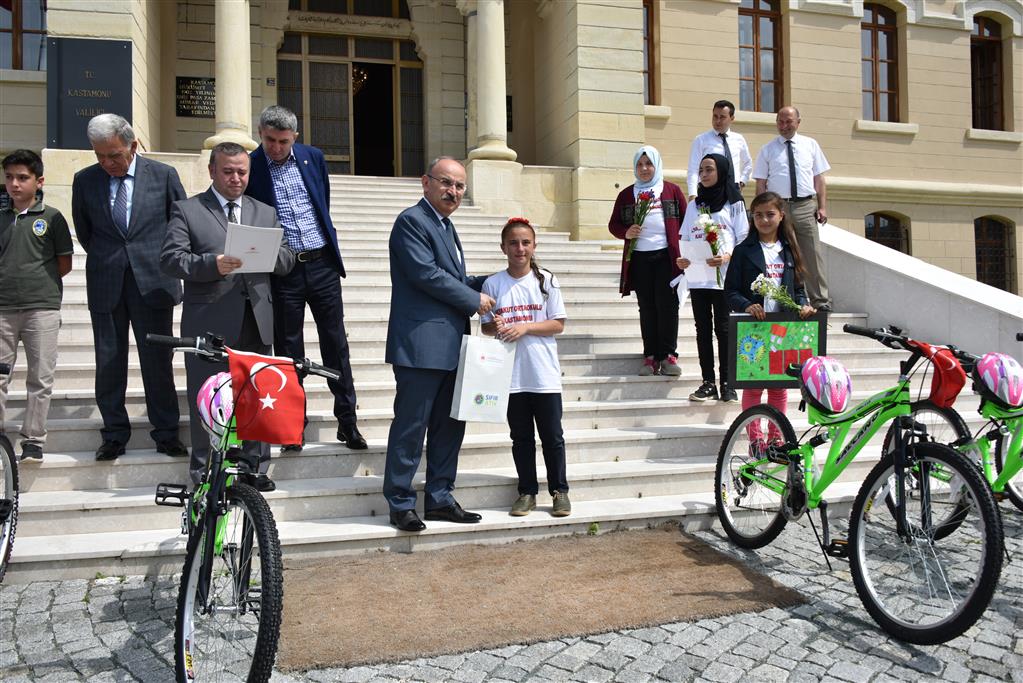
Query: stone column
point(233, 75)
point(491, 89)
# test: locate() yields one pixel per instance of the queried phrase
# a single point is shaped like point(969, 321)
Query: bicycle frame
point(878, 410)
point(1006, 423)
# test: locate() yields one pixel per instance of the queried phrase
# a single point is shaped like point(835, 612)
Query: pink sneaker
point(648, 368)
point(670, 367)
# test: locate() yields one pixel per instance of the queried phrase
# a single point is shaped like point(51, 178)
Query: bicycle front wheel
point(747, 505)
point(918, 587)
point(944, 426)
point(231, 632)
point(8, 502)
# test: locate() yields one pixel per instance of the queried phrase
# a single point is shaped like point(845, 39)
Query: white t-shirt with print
point(775, 267)
point(519, 300)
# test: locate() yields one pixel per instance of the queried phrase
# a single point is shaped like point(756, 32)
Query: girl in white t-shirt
point(529, 311)
point(771, 250)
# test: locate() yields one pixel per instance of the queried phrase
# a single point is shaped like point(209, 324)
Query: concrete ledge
point(656, 112)
point(865, 126)
point(917, 191)
point(1006, 136)
point(22, 76)
point(756, 118)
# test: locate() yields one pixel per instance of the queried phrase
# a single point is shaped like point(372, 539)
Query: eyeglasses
point(448, 183)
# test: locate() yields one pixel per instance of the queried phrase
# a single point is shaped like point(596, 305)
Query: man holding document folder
point(222, 293)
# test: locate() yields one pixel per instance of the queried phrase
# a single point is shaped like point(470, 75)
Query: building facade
point(918, 104)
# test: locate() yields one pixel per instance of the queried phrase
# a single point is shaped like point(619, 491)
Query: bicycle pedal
point(838, 548)
point(6, 508)
point(172, 495)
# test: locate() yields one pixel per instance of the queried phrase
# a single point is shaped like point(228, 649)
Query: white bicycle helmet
point(215, 403)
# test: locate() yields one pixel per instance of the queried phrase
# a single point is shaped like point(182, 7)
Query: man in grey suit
point(120, 208)
point(236, 306)
point(432, 300)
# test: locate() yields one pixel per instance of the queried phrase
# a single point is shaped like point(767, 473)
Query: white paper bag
point(483, 381)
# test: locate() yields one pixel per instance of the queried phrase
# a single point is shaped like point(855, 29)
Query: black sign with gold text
point(195, 97)
point(84, 77)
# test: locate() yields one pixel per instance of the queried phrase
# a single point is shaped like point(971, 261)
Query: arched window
point(886, 229)
point(760, 55)
point(987, 73)
point(995, 243)
point(879, 58)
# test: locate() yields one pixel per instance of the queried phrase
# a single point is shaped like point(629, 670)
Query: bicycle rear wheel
point(1013, 487)
point(944, 426)
point(8, 502)
point(749, 510)
point(918, 587)
point(231, 633)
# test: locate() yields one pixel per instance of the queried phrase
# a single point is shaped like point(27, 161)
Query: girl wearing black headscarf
point(718, 203)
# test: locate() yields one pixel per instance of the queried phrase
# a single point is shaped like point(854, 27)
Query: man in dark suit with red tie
point(292, 178)
point(120, 207)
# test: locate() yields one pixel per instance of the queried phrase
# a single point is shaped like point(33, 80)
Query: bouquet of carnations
point(643, 202)
point(769, 289)
point(710, 234)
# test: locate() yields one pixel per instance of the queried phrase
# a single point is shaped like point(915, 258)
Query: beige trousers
point(37, 330)
point(808, 235)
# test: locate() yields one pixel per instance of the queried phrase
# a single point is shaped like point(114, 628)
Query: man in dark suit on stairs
point(236, 306)
point(292, 178)
point(432, 300)
point(120, 208)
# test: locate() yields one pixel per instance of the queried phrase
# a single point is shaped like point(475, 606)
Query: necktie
point(121, 206)
point(232, 212)
point(449, 230)
point(792, 171)
point(724, 143)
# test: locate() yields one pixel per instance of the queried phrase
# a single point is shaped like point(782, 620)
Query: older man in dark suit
point(120, 208)
point(292, 178)
point(236, 306)
point(432, 300)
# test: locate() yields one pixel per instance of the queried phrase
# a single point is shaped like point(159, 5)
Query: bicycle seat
point(825, 384)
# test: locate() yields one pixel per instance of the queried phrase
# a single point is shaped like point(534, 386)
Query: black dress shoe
point(407, 520)
point(172, 447)
point(263, 484)
point(291, 448)
point(349, 435)
point(452, 513)
point(110, 450)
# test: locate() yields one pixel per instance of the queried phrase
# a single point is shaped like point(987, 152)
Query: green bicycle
point(231, 597)
point(917, 587)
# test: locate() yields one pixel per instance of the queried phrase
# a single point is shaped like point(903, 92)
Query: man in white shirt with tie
point(720, 140)
point(793, 166)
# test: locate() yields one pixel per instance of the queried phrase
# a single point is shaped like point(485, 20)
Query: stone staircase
point(639, 452)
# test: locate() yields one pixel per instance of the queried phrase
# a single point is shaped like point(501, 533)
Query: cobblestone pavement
point(120, 629)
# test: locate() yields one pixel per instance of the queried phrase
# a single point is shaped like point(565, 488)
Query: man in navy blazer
point(120, 207)
point(292, 178)
point(432, 300)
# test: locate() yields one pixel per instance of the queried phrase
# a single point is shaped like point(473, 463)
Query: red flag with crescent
point(269, 401)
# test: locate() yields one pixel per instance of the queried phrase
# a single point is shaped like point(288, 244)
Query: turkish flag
point(269, 401)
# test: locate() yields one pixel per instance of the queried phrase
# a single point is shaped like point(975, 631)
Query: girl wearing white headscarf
point(649, 259)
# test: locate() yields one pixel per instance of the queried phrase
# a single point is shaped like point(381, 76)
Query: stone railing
point(928, 302)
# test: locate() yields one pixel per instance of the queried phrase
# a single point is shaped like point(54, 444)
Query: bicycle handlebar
point(890, 338)
point(212, 348)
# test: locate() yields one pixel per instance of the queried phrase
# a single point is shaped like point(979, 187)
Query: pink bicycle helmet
point(216, 405)
point(999, 378)
point(825, 384)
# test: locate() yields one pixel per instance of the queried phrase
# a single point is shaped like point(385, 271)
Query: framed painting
point(762, 349)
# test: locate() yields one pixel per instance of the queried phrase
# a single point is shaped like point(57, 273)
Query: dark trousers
point(255, 454)
point(649, 275)
point(110, 335)
point(524, 409)
point(710, 312)
point(318, 284)
point(422, 407)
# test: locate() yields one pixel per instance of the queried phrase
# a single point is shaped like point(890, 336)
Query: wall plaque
point(84, 77)
point(196, 98)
